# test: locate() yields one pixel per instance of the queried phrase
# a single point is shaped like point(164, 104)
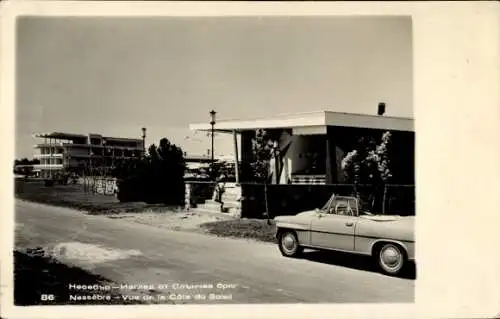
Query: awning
point(310, 121)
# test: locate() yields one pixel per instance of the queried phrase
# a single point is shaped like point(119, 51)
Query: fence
point(100, 185)
point(399, 199)
point(258, 200)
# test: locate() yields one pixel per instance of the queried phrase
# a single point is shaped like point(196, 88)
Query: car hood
point(307, 213)
point(302, 218)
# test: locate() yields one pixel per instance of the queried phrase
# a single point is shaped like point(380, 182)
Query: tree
point(25, 170)
point(166, 173)
point(369, 163)
point(262, 148)
point(158, 177)
point(25, 161)
point(223, 167)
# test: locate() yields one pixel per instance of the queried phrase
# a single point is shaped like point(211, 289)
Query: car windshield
point(341, 205)
point(328, 203)
point(394, 205)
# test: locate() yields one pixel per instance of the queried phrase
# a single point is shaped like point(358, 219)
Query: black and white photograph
point(214, 160)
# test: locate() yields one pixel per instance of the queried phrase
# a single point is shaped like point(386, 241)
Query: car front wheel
point(289, 244)
point(391, 259)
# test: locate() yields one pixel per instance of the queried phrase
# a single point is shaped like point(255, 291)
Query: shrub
point(156, 178)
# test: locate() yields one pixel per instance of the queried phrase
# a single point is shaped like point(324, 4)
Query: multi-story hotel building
point(78, 152)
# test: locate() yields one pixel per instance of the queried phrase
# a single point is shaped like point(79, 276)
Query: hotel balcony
point(53, 155)
point(48, 166)
point(88, 146)
point(54, 144)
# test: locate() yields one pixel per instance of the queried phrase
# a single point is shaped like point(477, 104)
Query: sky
point(113, 76)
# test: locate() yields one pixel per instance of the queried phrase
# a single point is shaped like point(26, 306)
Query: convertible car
point(341, 226)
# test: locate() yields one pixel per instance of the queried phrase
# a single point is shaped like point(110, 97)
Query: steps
point(209, 205)
point(230, 198)
point(231, 207)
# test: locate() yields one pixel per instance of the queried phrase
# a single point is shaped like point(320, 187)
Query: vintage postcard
point(243, 156)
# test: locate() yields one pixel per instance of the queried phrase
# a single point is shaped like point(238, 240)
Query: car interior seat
point(342, 209)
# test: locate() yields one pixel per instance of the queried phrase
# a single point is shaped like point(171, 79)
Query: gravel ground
point(73, 196)
point(175, 220)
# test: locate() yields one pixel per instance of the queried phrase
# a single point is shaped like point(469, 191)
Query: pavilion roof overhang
point(309, 120)
point(59, 135)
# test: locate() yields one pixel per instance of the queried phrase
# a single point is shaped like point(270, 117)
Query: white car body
point(340, 226)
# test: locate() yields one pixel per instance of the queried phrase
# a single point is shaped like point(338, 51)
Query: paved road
point(158, 256)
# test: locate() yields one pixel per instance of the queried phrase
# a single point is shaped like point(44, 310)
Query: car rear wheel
point(289, 244)
point(391, 259)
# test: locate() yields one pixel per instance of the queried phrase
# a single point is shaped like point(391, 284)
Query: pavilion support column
point(331, 158)
point(236, 157)
point(246, 154)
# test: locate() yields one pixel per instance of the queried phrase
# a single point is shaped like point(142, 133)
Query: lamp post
point(50, 158)
point(105, 155)
point(143, 141)
point(91, 171)
point(91, 156)
point(212, 123)
point(68, 163)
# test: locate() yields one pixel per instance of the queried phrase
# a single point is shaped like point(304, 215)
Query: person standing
point(219, 190)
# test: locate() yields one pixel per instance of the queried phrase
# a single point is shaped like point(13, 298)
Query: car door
point(332, 230)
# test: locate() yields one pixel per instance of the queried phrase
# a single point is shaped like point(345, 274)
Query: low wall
point(290, 199)
point(287, 199)
point(197, 193)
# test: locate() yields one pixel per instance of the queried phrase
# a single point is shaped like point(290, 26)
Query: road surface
point(189, 265)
